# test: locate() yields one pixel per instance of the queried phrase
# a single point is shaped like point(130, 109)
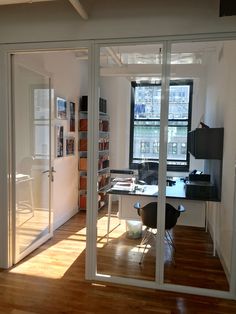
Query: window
point(40, 124)
point(145, 123)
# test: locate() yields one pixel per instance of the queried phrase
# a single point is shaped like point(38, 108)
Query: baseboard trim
point(219, 253)
point(59, 222)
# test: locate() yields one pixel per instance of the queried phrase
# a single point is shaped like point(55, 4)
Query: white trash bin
point(134, 229)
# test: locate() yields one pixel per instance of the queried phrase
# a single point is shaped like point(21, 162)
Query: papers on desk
point(124, 186)
point(120, 180)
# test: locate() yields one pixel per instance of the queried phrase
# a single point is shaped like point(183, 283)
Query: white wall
point(117, 92)
point(221, 112)
point(68, 82)
point(57, 20)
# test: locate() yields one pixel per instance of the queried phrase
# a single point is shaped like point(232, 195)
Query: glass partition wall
point(129, 130)
point(173, 109)
point(203, 235)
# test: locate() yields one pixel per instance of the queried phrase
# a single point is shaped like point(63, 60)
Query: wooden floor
point(191, 263)
point(51, 280)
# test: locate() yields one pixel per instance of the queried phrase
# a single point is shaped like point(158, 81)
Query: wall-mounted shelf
point(103, 153)
point(206, 143)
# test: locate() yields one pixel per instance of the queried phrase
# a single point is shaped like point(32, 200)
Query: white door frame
point(7, 151)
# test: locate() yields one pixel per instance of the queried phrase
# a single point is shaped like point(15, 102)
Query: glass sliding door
point(31, 106)
point(129, 130)
point(202, 237)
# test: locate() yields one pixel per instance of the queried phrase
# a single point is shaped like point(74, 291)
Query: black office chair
point(148, 172)
point(148, 214)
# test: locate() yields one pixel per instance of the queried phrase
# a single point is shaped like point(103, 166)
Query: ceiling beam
point(79, 8)
point(114, 56)
point(177, 70)
point(76, 4)
point(6, 2)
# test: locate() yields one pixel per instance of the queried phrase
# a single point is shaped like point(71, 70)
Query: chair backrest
point(148, 172)
point(172, 215)
point(148, 215)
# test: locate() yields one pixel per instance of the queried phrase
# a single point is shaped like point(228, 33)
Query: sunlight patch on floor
point(62, 255)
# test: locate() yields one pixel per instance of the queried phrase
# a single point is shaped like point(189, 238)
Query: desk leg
point(214, 228)
point(206, 215)
point(109, 215)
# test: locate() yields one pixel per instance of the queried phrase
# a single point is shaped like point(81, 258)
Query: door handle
point(47, 171)
point(50, 172)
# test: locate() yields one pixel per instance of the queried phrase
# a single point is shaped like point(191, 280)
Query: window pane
point(146, 141)
point(177, 142)
point(41, 140)
point(147, 102)
point(179, 102)
point(146, 122)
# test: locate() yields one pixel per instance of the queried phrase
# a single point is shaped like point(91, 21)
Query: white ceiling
point(136, 60)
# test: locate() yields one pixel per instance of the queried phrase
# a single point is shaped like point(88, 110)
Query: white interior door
point(32, 222)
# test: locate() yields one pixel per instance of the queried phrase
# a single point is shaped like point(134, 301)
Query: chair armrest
point(137, 205)
point(181, 208)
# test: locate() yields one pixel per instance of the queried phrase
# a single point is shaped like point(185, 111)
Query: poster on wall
point(70, 146)
point(61, 108)
point(59, 140)
point(72, 117)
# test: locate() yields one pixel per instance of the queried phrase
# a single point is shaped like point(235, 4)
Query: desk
point(174, 195)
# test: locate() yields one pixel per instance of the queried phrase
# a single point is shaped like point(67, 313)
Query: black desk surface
point(175, 191)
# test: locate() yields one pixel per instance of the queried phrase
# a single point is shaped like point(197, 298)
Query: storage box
point(83, 201)
point(83, 183)
point(83, 144)
point(201, 190)
point(199, 177)
point(83, 163)
point(206, 143)
point(83, 124)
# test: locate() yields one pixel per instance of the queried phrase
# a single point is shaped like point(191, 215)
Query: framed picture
point(61, 108)
point(70, 146)
point(59, 140)
point(72, 117)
